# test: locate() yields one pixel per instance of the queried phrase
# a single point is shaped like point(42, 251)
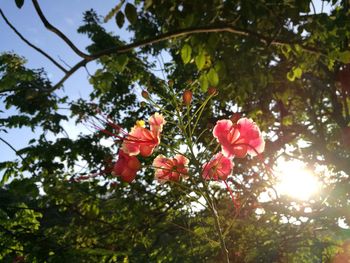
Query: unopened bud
point(187, 97)
point(212, 91)
point(171, 83)
point(145, 94)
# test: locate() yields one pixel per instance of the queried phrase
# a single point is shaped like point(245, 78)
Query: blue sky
point(65, 15)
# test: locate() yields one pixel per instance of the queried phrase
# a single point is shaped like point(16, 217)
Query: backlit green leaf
point(186, 53)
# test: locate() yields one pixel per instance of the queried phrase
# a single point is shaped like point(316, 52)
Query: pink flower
point(156, 121)
point(126, 167)
point(218, 168)
point(141, 140)
point(239, 139)
point(170, 169)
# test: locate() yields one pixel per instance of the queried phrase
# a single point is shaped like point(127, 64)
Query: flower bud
point(187, 97)
point(212, 91)
point(171, 83)
point(145, 94)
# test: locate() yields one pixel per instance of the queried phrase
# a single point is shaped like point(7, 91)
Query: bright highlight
point(295, 180)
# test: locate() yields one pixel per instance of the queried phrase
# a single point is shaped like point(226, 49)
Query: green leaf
point(290, 76)
point(203, 80)
point(287, 120)
point(5, 177)
point(186, 52)
point(213, 77)
point(131, 13)
point(120, 19)
point(297, 72)
point(114, 11)
point(200, 60)
point(19, 3)
point(344, 57)
point(147, 4)
point(286, 49)
point(122, 61)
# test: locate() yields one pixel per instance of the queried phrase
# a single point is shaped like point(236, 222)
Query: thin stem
point(206, 193)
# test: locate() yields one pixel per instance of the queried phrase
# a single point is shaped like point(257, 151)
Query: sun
point(295, 180)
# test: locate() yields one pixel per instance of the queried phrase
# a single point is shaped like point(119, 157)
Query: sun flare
point(295, 180)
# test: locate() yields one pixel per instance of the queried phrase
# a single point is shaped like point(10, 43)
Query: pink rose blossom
point(170, 169)
point(219, 168)
point(239, 139)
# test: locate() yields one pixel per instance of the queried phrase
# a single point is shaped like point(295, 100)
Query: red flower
point(219, 168)
point(141, 140)
point(170, 169)
point(239, 139)
point(126, 167)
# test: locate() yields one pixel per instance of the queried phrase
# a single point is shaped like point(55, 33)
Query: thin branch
point(77, 66)
point(64, 62)
point(313, 7)
point(13, 148)
point(30, 44)
point(57, 31)
point(197, 30)
point(181, 33)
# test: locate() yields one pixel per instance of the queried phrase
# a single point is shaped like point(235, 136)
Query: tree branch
point(12, 148)
point(57, 31)
point(181, 33)
point(30, 44)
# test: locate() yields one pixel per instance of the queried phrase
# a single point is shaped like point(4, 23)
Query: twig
point(57, 31)
point(31, 45)
point(13, 148)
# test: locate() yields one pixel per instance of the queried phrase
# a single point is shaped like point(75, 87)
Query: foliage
point(278, 62)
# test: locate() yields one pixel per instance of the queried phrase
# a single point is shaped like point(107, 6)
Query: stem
point(206, 193)
point(221, 237)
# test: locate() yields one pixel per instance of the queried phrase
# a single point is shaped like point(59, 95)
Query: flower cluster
point(143, 141)
point(236, 140)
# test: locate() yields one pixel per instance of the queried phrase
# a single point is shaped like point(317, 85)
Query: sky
point(66, 16)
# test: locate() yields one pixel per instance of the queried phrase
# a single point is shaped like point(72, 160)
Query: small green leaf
point(213, 77)
point(19, 3)
point(186, 52)
point(200, 60)
point(203, 80)
point(290, 76)
point(287, 120)
point(122, 61)
point(113, 11)
point(120, 19)
point(344, 57)
point(5, 177)
point(131, 13)
point(297, 72)
point(286, 50)
point(147, 4)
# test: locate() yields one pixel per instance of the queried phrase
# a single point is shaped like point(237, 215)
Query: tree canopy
point(283, 64)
